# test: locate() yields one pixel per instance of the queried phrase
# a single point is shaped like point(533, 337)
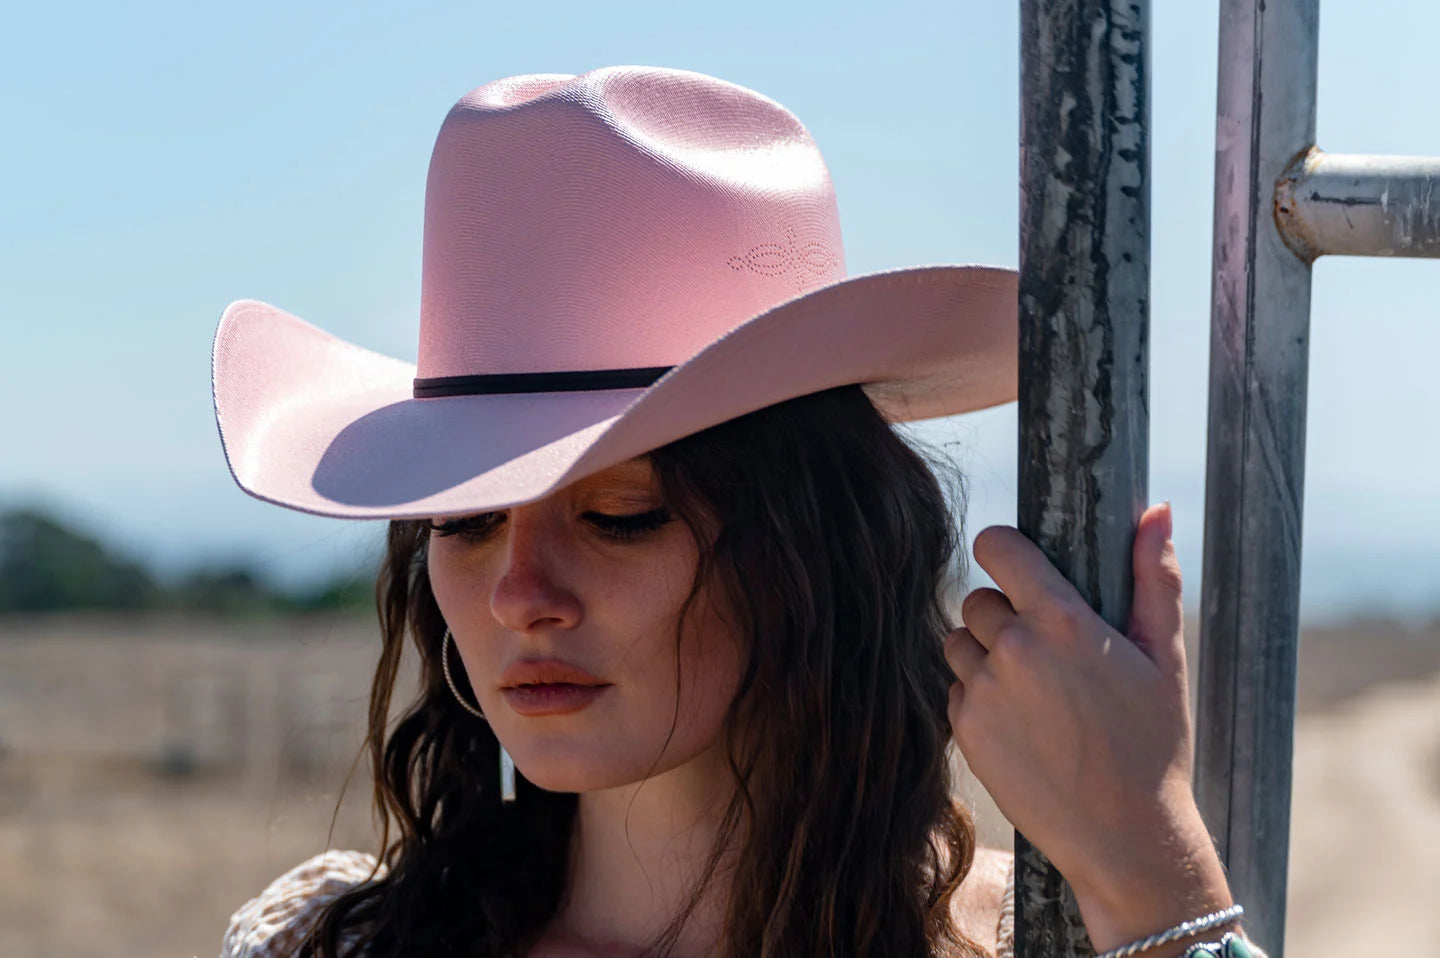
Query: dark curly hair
point(833, 541)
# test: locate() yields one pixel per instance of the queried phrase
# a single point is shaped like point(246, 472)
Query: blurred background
point(183, 670)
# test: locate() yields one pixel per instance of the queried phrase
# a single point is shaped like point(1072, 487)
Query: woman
point(655, 542)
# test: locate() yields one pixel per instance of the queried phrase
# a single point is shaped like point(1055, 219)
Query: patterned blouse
point(273, 924)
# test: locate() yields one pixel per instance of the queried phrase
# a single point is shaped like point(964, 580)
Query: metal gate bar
point(1084, 334)
point(1279, 203)
point(1259, 355)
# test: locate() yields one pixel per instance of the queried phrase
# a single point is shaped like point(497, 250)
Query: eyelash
point(621, 528)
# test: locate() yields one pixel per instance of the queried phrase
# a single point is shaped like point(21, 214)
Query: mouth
point(551, 698)
point(549, 687)
point(546, 672)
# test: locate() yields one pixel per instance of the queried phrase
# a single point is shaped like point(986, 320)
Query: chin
point(585, 776)
point(577, 780)
point(571, 767)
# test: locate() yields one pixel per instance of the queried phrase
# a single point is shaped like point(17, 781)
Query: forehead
point(637, 471)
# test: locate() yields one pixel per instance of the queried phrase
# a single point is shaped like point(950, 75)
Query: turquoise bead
point(1233, 948)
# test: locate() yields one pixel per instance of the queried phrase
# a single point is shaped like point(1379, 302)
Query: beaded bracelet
point(1183, 930)
point(1230, 945)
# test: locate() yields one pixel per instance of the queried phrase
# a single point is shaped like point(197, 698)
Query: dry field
point(156, 773)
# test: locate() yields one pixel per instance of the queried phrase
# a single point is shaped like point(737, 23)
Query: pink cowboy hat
point(612, 261)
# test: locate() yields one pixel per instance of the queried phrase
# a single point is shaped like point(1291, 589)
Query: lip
point(535, 687)
point(546, 672)
point(556, 698)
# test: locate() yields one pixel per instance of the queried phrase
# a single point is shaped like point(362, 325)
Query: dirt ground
point(156, 773)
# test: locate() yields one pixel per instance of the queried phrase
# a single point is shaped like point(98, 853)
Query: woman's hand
point(1082, 735)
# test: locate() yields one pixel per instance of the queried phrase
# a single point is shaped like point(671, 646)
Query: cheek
point(706, 661)
point(710, 660)
point(447, 581)
point(658, 726)
point(461, 584)
point(460, 587)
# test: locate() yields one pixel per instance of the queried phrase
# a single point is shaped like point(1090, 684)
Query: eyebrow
point(630, 473)
point(638, 464)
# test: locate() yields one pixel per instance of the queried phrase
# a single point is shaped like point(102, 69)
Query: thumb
point(1156, 614)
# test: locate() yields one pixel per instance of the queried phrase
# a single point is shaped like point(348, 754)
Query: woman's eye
point(476, 528)
point(621, 528)
point(627, 527)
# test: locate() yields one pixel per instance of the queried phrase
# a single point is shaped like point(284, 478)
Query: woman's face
point(564, 612)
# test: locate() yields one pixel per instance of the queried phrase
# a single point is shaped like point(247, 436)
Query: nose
point(529, 594)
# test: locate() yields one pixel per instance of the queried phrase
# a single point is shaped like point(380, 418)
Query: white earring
point(507, 764)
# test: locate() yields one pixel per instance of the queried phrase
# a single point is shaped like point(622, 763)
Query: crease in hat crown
point(620, 218)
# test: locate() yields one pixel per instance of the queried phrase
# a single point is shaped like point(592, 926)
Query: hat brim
point(314, 423)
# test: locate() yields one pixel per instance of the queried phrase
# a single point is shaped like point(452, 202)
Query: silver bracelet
point(1183, 930)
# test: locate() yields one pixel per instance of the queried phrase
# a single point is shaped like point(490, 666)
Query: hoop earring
point(507, 764)
point(445, 644)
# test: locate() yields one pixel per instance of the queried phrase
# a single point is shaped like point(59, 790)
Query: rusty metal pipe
point(1354, 204)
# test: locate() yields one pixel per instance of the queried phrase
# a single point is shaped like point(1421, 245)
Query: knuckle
point(972, 604)
point(1165, 573)
point(1011, 634)
point(983, 684)
point(953, 657)
point(976, 605)
point(962, 726)
point(956, 702)
point(1168, 573)
point(1011, 648)
point(973, 718)
point(1073, 615)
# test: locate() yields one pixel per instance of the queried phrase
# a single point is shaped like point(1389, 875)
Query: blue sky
point(163, 159)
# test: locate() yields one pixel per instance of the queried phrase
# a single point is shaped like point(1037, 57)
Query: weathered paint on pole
point(1259, 353)
point(1084, 333)
point(1358, 205)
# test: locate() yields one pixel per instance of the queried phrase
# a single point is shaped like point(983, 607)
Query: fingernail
point(1169, 519)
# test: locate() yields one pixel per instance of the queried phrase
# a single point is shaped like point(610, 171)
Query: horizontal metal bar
point(1351, 204)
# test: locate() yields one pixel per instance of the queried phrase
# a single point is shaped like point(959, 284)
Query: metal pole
point(1255, 463)
point(1359, 205)
point(1084, 323)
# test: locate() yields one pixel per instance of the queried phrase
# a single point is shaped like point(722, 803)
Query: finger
point(985, 612)
point(964, 654)
point(956, 699)
point(1019, 568)
point(1156, 613)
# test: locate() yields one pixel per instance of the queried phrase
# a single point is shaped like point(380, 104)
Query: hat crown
point(622, 218)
